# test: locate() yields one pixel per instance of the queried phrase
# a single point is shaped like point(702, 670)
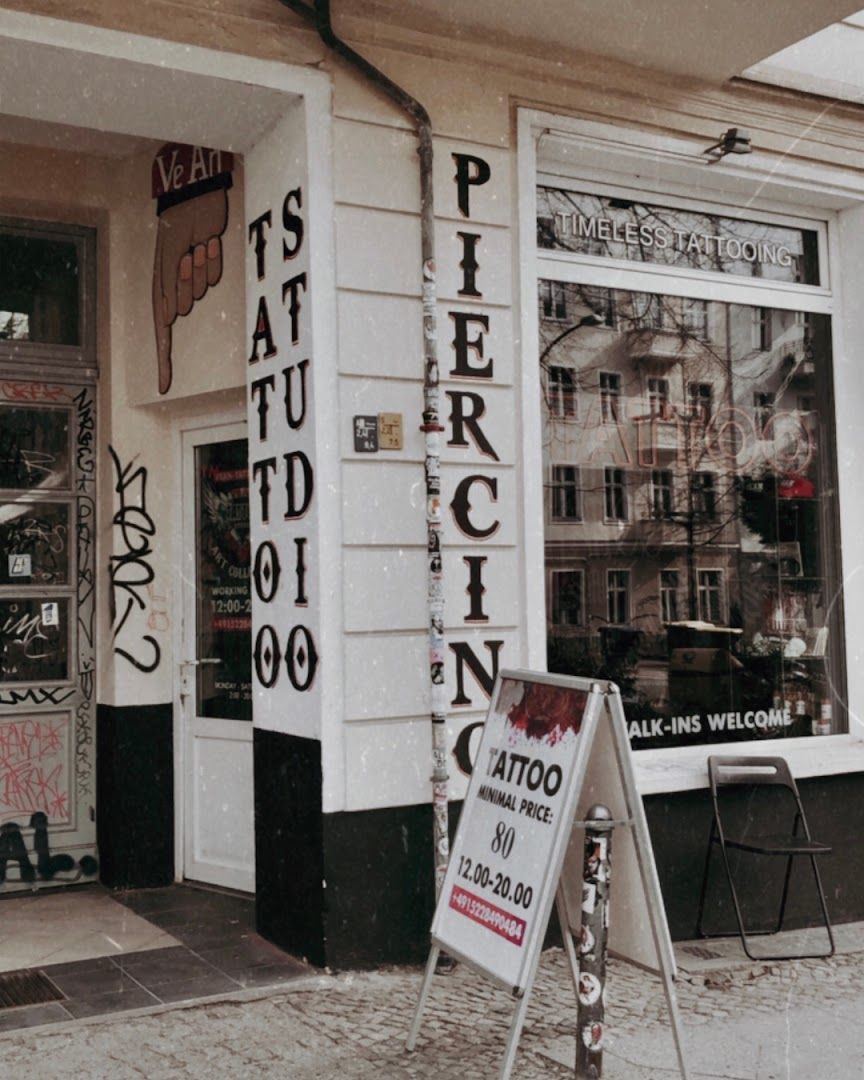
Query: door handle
point(186, 682)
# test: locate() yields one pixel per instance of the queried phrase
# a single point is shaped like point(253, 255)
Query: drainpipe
point(319, 15)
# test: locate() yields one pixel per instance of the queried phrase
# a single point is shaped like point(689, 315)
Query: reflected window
point(566, 494)
point(710, 592)
point(658, 398)
point(615, 494)
point(618, 597)
point(661, 493)
point(566, 606)
point(670, 585)
point(553, 300)
point(563, 401)
point(705, 496)
point(610, 397)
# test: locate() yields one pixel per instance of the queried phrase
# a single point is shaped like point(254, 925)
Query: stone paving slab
point(791, 1021)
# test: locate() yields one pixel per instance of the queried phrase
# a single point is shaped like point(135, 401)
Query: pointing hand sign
point(191, 186)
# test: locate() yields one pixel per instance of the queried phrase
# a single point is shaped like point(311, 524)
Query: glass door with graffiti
point(215, 669)
point(47, 654)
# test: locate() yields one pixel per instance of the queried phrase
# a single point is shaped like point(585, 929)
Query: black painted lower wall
point(289, 851)
point(680, 824)
point(135, 795)
point(355, 890)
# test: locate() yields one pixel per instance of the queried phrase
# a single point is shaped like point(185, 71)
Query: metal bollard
point(594, 930)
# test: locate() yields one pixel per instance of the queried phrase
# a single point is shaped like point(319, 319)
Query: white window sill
point(685, 768)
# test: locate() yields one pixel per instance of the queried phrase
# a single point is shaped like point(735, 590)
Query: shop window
point(662, 502)
point(562, 393)
point(610, 397)
point(710, 594)
point(567, 592)
point(670, 585)
point(40, 288)
point(566, 493)
point(618, 597)
point(742, 477)
point(615, 494)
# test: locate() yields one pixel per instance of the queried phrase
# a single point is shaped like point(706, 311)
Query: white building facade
point(222, 641)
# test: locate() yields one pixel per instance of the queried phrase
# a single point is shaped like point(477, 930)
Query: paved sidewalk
point(784, 1021)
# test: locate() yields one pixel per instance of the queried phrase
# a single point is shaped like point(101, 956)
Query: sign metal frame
point(602, 703)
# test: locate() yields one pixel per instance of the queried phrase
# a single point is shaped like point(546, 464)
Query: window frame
point(557, 392)
point(611, 486)
point(666, 591)
point(555, 595)
point(720, 588)
point(567, 151)
point(556, 486)
point(610, 396)
point(51, 360)
point(624, 590)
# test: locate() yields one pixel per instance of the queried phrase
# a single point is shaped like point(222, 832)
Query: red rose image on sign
point(547, 712)
point(190, 184)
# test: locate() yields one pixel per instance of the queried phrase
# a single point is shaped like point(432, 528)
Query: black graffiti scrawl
point(13, 849)
point(130, 570)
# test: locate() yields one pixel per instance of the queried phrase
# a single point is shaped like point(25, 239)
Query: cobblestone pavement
point(354, 1026)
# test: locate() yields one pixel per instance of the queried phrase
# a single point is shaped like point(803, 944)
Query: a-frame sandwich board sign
point(516, 822)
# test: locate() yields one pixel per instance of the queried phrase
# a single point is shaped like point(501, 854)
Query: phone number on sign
point(493, 918)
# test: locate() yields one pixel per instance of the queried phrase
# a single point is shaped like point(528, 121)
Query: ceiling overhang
point(711, 41)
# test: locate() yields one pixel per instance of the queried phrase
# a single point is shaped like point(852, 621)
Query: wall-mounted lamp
point(732, 141)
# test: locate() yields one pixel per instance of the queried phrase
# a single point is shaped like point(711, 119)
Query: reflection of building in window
point(694, 319)
point(669, 586)
point(563, 402)
point(661, 493)
point(14, 326)
point(615, 492)
point(701, 401)
point(553, 300)
point(705, 496)
point(658, 398)
point(763, 411)
point(710, 593)
point(610, 397)
point(618, 596)
point(567, 592)
point(599, 300)
point(566, 493)
point(762, 330)
point(804, 320)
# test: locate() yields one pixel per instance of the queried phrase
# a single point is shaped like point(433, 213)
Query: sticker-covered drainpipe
point(319, 15)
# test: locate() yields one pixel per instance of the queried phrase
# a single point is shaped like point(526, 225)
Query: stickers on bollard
point(519, 804)
point(589, 988)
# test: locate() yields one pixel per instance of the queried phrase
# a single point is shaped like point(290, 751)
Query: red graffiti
point(21, 391)
point(33, 768)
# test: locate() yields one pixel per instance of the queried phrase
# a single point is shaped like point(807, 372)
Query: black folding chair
point(754, 772)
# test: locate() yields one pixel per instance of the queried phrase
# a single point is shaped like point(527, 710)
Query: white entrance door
point(215, 669)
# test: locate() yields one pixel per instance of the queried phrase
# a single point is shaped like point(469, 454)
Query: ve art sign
point(190, 185)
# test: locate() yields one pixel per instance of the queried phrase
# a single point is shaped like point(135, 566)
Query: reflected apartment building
point(686, 536)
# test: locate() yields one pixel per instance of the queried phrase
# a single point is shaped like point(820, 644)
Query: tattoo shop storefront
point(220, 620)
